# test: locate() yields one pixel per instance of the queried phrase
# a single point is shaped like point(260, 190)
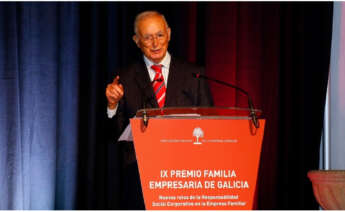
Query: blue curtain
point(38, 105)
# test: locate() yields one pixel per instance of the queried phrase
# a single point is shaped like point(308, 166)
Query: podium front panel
point(196, 163)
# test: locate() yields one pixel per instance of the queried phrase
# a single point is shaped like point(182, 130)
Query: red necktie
point(158, 85)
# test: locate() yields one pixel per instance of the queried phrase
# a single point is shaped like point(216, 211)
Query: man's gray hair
point(144, 15)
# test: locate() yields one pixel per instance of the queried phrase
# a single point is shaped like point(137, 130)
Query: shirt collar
point(165, 62)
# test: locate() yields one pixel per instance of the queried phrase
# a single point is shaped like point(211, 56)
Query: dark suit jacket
point(182, 90)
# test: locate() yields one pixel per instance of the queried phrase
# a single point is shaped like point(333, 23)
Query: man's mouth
point(155, 51)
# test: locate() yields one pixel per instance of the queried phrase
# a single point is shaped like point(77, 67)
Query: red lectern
point(197, 158)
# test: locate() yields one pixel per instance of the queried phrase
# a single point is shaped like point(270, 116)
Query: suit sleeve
point(117, 123)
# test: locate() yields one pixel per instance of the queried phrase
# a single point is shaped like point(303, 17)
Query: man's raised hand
point(114, 93)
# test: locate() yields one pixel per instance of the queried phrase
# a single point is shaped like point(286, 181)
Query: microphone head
point(196, 75)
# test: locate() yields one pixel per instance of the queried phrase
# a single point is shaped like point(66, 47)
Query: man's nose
point(154, 41)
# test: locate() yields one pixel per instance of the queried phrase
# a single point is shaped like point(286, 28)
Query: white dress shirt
point(165, 72)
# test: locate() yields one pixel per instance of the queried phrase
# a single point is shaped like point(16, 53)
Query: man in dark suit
point(160, 80)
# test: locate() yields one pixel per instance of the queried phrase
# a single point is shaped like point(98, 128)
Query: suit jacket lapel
point(174, 83)
point(143, 81)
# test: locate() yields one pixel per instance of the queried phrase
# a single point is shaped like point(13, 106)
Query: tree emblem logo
point(198, 133)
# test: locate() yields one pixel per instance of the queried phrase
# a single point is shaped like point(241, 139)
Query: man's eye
point(160, 35)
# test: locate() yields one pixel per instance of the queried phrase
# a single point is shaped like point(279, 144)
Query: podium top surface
point(198, 112)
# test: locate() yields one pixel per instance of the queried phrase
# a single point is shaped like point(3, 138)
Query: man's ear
point(169, 33)
point(136, 40)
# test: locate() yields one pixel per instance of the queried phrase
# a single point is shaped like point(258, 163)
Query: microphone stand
point(250, 102)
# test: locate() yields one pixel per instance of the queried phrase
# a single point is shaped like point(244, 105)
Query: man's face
point(153, 37)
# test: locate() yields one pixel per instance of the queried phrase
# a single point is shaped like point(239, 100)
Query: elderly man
point(159, 80)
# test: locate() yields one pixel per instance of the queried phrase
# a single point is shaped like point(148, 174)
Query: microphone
point(250, 102)
point(147, 99)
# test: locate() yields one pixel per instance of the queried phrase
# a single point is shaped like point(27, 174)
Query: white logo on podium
point(198, 133)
